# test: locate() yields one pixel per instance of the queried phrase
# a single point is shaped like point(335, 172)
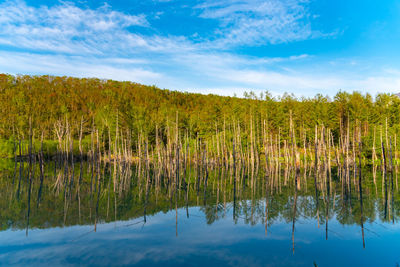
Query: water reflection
point(217, 211)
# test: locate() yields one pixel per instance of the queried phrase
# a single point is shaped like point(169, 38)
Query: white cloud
point(228, 74)
point(77, 66)
point(258, 22)
point(66, 28)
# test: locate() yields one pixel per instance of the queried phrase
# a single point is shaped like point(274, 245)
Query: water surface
point(247, 219)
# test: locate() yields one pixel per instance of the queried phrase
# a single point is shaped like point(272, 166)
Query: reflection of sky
point(198, 243)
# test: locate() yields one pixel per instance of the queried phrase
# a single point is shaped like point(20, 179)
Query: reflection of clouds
point(221, 243)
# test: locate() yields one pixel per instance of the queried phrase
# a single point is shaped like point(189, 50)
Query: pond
point(102, 215)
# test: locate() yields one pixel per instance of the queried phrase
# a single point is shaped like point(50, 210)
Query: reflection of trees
point(129, 203)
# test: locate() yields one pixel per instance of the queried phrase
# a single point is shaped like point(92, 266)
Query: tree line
point(37, 105)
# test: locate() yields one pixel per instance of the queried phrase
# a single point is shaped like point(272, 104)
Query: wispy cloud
point(78, 66)
point(257, 22)
point(66, 28)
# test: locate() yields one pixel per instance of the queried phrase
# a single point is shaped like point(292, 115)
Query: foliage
point(141, 109)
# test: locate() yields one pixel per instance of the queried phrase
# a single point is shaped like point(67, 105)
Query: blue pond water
point(258, 221)
point(162, 242)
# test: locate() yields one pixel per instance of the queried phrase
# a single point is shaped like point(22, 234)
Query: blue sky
point(224, 47)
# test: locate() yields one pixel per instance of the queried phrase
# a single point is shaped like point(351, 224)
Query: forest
point(53, 109)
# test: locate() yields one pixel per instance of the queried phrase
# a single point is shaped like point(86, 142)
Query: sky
point(226, 47)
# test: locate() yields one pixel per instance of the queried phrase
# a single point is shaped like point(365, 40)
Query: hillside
point(50, 101)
